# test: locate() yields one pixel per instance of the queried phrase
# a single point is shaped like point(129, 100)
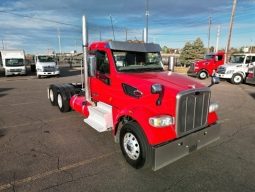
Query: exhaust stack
point(85, 60)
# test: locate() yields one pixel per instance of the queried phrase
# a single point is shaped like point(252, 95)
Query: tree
point(192, 51)
point(165, 49)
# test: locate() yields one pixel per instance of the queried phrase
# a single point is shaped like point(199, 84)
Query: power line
point(40, 19)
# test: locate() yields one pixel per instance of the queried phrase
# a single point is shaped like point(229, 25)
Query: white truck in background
point(236, 70)
point(46, 65)
point(13, 62)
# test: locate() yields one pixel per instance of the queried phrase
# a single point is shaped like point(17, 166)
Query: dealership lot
point(42, 149)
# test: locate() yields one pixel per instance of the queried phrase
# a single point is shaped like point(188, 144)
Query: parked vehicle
point(206, 67)
point(46, 65)
point(13, 62)
point(250, 78)
point(156, 116)
point(236, 70)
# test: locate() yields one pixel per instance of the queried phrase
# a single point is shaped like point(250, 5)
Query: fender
point(141, 115)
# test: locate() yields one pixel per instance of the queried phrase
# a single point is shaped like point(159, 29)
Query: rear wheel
point(237, 79)
point(202, 75)
point(62, 101)
point(52, 94)
point(134, 146)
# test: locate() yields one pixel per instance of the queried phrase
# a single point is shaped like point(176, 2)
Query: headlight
point(230, 71)
point(57, 67)
point(39, 69)
point(213, 107)
point(161, 121)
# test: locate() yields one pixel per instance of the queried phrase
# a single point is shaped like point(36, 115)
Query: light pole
point(146, 21)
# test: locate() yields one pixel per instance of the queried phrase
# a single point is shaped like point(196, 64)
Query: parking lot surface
point(42, 149)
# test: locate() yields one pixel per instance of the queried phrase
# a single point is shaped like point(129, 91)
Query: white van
point(13, 62)
point(237, 68)
point(46, 66)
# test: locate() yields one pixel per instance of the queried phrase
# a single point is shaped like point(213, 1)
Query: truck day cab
point(157, 116)
point(237, 68)
point(46, 66)
point(206, 67)
point(13, 62)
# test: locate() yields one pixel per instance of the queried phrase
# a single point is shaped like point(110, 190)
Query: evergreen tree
point(192, 51)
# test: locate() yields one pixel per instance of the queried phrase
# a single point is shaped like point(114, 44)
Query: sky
point(36, 26)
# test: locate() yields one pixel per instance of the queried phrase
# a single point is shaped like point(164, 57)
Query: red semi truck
point(157, 116)
point(206, 67)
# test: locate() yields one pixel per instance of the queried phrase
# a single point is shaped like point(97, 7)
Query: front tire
point(202, 75)
point(237, 79)
point(134, 145)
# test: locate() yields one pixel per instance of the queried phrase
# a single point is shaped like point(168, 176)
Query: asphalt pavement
point(42, 149)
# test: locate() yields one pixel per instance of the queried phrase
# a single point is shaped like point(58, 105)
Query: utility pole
point(126, 31)
point(230, 30)
point(209, 33)
point(218, 39)
point(100, 36)
point(59, 41)
point(112, 28)
point(147, 21)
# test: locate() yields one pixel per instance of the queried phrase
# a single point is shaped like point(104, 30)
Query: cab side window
point(220, 57)
point(102, 62)
point(253, 59)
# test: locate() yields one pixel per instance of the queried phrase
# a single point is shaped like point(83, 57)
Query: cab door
point(100, 85)
point(218, 61)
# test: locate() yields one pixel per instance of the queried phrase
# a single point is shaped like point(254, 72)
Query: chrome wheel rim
point(60, 103)
point(202, 75)
point(131, 146)
point(237, 79)
point(51, 95)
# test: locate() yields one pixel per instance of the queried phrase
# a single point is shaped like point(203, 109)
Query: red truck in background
point(156, 116)
point(206, 67)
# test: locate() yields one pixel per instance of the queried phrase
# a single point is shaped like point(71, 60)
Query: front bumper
point(48, 73)
point(224, 76)
point(172, 151)
point(191, 73)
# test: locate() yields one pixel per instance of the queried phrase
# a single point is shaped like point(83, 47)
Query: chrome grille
point(221, 70)
point(192, 110)
point(48, 69)
point(15, 70)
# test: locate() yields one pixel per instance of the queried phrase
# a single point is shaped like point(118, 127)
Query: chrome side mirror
point(92, 61)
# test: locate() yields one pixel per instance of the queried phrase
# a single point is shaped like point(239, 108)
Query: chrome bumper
point(172, 151)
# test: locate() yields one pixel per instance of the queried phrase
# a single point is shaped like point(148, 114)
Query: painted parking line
point(51, 172)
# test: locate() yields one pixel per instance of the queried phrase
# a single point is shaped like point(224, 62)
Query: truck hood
point(203, 61)
point(233, 65)
point(172, 82)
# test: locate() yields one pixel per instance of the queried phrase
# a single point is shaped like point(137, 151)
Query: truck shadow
point(3, 90)
point(252, 95)
point(66, 71)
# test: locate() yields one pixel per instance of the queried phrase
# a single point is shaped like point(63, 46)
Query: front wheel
point(202, 74)
point(237, 79)
point(134, 146)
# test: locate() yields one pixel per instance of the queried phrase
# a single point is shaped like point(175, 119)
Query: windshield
point(45, 59)
point(137, 61)
point(237, 58)
point(209, 56)
point(14, 62)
